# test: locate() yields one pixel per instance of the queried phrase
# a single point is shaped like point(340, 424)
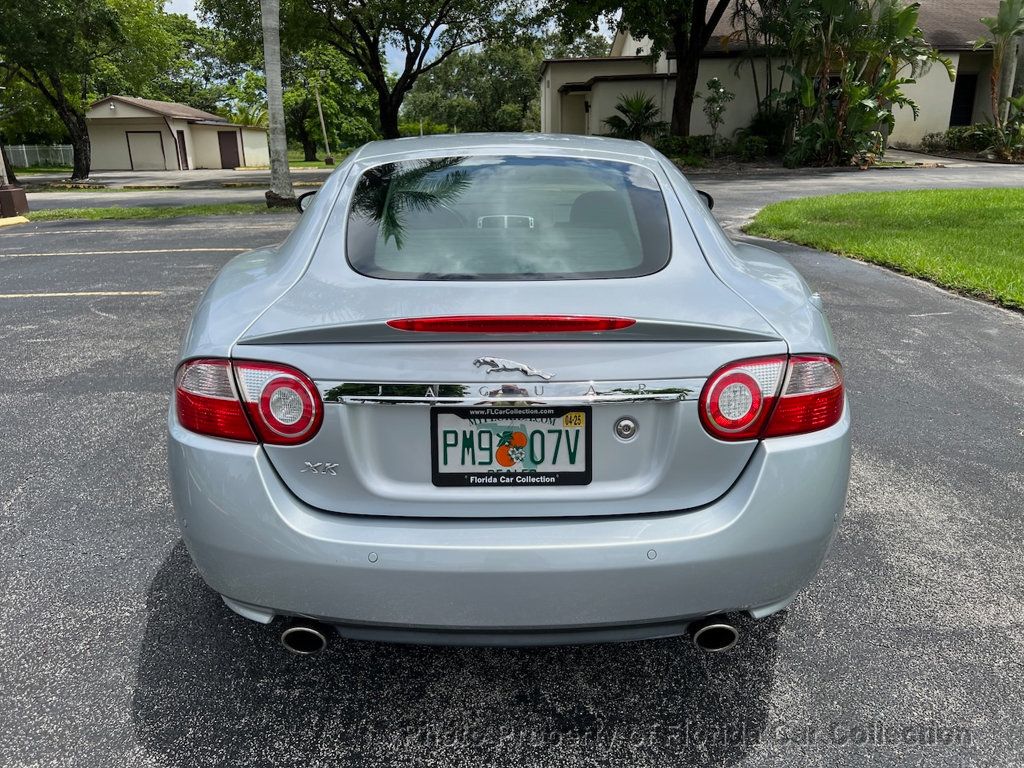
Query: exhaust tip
point(714, 634)
point(304, 638)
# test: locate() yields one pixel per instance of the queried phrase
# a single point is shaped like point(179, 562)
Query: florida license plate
point(511, 446)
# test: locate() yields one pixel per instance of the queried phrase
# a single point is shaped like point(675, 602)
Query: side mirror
point(303, 201)
point(709, 201)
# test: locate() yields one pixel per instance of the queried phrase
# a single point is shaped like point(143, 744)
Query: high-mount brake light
point(249, 401)
point(511, 324)
point(772, 396)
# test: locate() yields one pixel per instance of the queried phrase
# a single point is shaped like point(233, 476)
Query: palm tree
point(637, 118)
point(1004, 28)
point(388, 193)
point(280, 192)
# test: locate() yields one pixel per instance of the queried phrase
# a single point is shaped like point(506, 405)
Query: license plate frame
point(498, 478)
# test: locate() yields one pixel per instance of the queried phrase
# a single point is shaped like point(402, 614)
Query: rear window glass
point(507, 218)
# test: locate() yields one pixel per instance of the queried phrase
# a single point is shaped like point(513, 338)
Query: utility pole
point(328, 160)
point(3, 167)
point(3, 171)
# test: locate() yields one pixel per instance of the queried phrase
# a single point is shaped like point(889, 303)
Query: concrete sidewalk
point(197, 179)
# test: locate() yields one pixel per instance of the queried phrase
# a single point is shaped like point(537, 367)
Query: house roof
point(589, 84)
point(949, 25)
point(166, 108)
point(952, 25)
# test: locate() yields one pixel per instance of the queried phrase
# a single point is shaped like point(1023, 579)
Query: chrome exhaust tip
point(714, 633)
point(304, 637)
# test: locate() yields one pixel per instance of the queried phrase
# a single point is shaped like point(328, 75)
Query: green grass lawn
point(969, 240)
point(43, 169)
point(153, 211)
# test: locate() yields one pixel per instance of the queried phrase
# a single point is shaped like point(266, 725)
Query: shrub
point(970, 138)
point(412, 128)
point(752, 148)
point(637, 118)
point(715, 103)
point(702, 145)
point(934, 142)
point(770, 125)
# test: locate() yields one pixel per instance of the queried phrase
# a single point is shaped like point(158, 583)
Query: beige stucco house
point(130, 134)
point(576, 95)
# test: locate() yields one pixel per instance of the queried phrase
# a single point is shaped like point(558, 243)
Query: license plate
point(511, 446)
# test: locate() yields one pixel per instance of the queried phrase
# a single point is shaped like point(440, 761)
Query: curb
point(12, 220)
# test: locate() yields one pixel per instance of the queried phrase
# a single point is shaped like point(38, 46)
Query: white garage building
point(130, 134)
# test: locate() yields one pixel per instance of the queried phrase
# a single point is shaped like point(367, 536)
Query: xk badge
point(320, 467)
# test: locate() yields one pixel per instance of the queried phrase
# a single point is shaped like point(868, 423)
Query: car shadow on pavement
point(215, 689)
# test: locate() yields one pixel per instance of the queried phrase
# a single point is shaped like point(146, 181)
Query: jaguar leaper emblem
point(496, 364)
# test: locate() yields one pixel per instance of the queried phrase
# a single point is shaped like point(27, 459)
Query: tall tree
point(682, 26)
point(280, 191)
point(1004, 30)
point(60, 47)
point(349, 104)
point(494, 87)
point(421, 34)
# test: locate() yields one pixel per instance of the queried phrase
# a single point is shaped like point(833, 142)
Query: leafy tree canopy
point(682, 26)
point(424, 32)
point(68, 51)
point(493, 87)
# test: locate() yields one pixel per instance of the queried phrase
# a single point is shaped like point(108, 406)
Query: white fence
point(27, 155)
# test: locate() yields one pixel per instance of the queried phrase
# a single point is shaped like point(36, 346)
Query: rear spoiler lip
point(378, 332)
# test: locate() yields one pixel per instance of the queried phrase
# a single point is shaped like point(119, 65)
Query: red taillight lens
point(812, 398)
point(282, 402)
point(742, 400)
point(738, 397)
point(206, 401)
point(511, 324)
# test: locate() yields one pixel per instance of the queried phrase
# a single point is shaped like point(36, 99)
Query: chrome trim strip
point(527, 393)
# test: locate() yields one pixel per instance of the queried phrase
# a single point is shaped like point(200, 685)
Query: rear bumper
point(549, 580)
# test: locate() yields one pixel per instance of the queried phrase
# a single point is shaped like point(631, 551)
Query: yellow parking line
point(61, 294)
point(121, 253)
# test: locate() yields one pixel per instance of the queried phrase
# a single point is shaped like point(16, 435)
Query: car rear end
point(508, 400)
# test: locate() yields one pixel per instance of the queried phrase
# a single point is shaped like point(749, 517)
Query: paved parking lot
point(905, 651)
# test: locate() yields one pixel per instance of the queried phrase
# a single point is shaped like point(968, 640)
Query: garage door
point(146, 149)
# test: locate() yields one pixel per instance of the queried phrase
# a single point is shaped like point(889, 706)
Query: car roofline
point(506, 143)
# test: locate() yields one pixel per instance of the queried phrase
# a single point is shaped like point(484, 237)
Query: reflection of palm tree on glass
point(387, 193)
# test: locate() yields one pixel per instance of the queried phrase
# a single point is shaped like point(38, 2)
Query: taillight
point(742, 400)
point(738, 397)
point(812, 397)
point(206, 401)
point(511, 324)
point(282, 403)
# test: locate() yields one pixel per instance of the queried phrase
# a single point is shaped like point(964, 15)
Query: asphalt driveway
point(906, 650)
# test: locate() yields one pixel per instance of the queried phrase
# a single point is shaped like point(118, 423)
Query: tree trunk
point(308, 149)
point(389, 115)
point(994, 80)
point(687, 67)
point(1009, 75)
point(74, 122)
point(689, 37)
point(281, 192)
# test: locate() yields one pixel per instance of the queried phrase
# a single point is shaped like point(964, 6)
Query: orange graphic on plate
point(511, 448)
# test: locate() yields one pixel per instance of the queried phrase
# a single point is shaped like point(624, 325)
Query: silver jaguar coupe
point(508, 389)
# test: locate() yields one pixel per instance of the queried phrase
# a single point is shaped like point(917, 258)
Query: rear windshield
point(507, 218)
